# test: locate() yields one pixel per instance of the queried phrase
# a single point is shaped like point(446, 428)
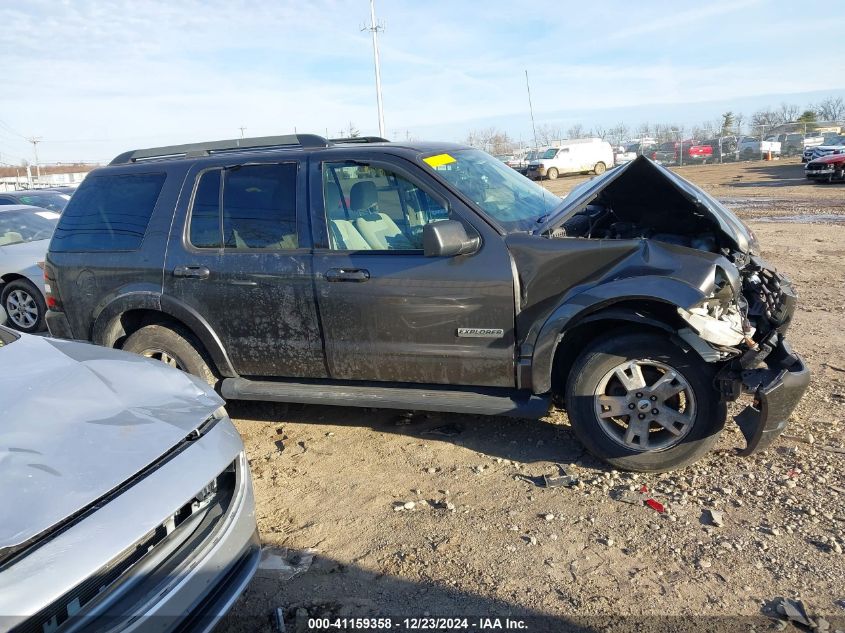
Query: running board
point(479, 401)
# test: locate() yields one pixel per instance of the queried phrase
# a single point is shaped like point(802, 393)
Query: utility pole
point(374, 29)
point(242, 128)
point(35, 140)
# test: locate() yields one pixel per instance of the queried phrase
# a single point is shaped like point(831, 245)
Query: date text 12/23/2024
point(416, 624)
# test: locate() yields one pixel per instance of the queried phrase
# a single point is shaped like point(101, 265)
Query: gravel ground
point(406, 522)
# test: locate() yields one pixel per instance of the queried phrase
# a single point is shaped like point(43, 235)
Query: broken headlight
point(718, 319)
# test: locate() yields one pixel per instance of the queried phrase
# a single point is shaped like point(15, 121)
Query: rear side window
point(258, 210)
point(108, 213)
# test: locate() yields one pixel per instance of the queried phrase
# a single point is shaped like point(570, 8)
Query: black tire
point(599, 360)
point(19, 298)
point(552, 173)
point(600, 168)
point(165, 342)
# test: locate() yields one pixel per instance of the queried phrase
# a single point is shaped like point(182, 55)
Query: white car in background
point(832, 146)
point(25, 233)
point(576, 156)
point(750, 148)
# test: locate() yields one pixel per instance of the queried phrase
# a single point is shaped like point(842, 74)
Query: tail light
point(53, 302)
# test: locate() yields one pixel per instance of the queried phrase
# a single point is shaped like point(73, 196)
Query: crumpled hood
point(643, 184)
point(77, 421)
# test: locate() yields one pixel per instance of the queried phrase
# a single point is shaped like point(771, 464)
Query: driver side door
point(388, 312)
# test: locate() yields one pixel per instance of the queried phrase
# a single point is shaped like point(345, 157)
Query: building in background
point(14, 177)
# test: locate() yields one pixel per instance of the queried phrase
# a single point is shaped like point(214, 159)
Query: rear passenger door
point(241, 259)
point(388, 312)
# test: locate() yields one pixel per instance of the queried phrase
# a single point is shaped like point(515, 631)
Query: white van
point(578, 156)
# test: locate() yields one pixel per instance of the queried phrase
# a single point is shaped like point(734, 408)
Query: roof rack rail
point(213, 147)
point(359, 139)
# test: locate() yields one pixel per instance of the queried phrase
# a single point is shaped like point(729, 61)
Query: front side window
point(373, 208)
point(251, 207)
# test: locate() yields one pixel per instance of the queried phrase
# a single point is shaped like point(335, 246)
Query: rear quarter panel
point(86, 282)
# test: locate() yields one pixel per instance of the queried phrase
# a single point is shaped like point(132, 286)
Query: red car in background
point(693, 151)
point(826, 168)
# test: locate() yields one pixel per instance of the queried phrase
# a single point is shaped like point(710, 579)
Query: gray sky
point(94, 78)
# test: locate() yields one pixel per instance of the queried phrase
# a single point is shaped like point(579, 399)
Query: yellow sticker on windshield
point(439, 160)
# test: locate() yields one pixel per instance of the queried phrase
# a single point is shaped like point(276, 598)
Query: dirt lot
point(572, 557)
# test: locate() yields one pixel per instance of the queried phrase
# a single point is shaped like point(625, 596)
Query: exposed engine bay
point(600, 221)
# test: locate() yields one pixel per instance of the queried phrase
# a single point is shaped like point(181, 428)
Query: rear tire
point(552, 173)
point(174, 346)
point(599, 169)
point(696, 413)
point(24, 305)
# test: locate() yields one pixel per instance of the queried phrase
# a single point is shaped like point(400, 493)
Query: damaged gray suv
point(431, 276)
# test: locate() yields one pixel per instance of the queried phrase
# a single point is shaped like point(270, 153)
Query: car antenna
point(534, 130)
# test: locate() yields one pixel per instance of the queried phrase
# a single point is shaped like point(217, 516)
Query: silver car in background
point(25, 233)
point(127, 501)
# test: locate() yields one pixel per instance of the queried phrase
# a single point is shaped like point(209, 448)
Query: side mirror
point(448, 238)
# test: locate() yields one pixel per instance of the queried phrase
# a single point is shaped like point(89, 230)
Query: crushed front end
point(761, 362)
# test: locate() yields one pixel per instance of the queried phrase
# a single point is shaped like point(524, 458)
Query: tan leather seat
point(378, 229)
point(382, 233)
point(346, 237)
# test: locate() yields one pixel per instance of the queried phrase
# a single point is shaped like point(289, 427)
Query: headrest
point(363, 195)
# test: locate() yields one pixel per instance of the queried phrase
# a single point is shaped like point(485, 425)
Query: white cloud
point(120, 73)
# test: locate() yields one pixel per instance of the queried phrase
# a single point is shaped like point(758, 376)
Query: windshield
point(52, 201)
point(19, 227)
point(509, 198)
point(550, 153)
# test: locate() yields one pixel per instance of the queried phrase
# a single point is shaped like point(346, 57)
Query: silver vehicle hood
point(653, 183)
point(78, 421)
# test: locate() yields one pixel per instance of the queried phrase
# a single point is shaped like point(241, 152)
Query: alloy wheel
point(22, 309)
point(645, 405)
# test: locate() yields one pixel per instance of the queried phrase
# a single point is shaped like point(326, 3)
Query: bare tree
point(618, 133)
point(764, 120)
point(599, 131)
point(831, 109)
point(739, 119)
point(787, 113)
point(548, 134)
point(351, 131)
point(575, 131)
point(490, 140)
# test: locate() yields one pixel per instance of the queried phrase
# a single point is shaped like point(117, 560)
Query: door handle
point(347, 274)
point(194, 272)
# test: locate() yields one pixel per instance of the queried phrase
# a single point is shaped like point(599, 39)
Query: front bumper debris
point(776, 394)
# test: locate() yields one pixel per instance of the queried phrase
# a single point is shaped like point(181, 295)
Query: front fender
point(673, 292)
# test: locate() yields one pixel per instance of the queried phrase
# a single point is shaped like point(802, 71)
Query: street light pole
point(374, 29)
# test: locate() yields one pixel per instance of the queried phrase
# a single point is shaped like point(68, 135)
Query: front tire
point(552, 173)
point(640, 403)
point(24, 305)
point(173, 346)
point(599, 169)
